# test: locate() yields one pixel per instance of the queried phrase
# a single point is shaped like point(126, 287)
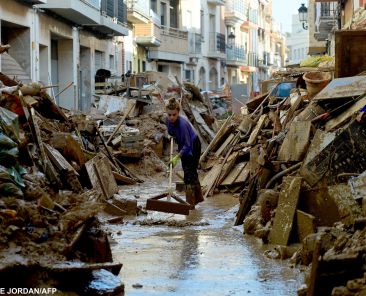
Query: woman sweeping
point(189, 147)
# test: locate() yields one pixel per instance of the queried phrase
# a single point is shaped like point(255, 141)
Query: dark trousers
point(190, 164)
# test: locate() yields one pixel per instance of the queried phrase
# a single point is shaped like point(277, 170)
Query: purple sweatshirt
point(182, 131)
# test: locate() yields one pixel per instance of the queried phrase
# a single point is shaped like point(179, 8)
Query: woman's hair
point(172, 105)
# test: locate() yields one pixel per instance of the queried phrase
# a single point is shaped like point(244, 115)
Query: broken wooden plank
point(48, 168)
point(216, 180)
point(291, 111)
point(346, 115)
point(247, 201)
point(222, 131)
point(101, 176)
point(58, 160)
point(120, 179)
point(296, 142)
point(200, 121)
point(285, 212)
point(211, 175)
point(230, 162)
point(254, 135)
point(243, 175)
point(224, 145)
point(233, 175)
point(305, 224)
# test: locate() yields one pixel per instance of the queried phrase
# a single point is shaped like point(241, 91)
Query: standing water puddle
point(201, 254)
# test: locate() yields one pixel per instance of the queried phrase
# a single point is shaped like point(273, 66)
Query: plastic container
point(316, 81)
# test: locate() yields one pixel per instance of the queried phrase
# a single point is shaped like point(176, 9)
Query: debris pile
point(48, 220)
point(60, 169)
point(297, 165)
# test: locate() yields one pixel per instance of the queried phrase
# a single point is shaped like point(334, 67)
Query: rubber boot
point(190, 195)
point(198, 193)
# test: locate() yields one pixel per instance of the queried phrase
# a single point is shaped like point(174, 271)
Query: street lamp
point(230, 40)
point(303, 16)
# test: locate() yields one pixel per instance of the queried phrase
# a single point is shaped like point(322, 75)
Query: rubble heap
point(297, 165)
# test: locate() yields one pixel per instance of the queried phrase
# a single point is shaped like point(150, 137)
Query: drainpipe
point(35, 45)
point(76, 64)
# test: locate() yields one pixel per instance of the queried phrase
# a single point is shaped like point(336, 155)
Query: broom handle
point(170, 169)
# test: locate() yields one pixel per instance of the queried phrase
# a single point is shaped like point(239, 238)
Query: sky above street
point(283, 11)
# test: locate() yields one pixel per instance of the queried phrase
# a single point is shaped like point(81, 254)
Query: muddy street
point(201, 254)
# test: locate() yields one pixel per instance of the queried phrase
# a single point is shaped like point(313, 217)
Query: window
point(174, 14)
point(154, 5)
point(163, 68)
point(163, 14)
point(143, 66)
point(111, 62)
point(188, 75)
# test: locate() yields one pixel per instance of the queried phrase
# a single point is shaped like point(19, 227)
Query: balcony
point(327, 20)
point(216, 45)
point(236, 56)
point(234, 12)
point(266, 61)
point(252, 59)
point(105, 18)
point(216, 2)
point(194, 44)
point(147, 34)
point(138, 11)
point(174, 46)
point(155, 18)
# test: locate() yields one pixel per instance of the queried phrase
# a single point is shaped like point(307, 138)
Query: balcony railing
point(155, 17)
point(173, 32)
point(236, 53)
point(94, 3)
point(194, 43)
point(217, 42)
point(252, 15)
point(237, 6)
point(328, 9)
point(252, 59)
point(139, 6)
point(107, 17)
point(115, 10)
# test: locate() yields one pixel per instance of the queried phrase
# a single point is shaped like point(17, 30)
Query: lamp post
point(231, 40)
point(303, 16)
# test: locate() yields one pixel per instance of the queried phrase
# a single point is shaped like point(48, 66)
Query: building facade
point(206, 42)
point(59, 42)
point(297, 42)
point(324, 18)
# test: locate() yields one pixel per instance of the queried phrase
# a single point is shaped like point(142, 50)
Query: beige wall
point(311, 22)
